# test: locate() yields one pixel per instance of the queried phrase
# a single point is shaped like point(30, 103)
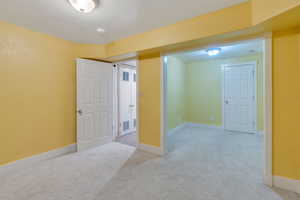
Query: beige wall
point(195, 90)
point(176, 92)
point(204, 89)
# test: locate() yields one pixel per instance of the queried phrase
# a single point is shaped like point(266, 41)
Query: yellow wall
point(176, 92)
point(38, 81)
point(222, 21)
point(264, 9)
point(286, 104)
point(204, 99)
point(149, 99)
point(37, 87)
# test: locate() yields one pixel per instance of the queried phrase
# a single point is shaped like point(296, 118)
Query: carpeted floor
point(203, 164)
point(128, 139)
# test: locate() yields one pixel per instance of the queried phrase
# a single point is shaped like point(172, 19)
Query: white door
point(240, 97)
point(94, 103)
point(127, 96)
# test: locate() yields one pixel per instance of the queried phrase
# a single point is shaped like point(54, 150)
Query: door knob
point(131, 106)
point(226, 102)
point(79, 112)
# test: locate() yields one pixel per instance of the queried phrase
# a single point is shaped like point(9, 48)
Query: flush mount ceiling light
point(84, 6)
point(213, 51)
point(100, 30)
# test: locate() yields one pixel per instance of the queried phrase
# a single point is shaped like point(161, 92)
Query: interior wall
point(286, 104)
point(149, 90)
point(37, 87)
point(263, 10)
point(176, 92)
point(204, 89)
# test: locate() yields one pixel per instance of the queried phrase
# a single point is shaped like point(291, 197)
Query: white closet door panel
point(239, 96)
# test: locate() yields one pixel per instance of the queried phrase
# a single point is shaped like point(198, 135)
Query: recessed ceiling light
point(213, 51)
point(100, 30)
point(84, 6)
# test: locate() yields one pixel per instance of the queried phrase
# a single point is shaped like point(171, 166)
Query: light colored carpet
point(128, 139)
point(202, 164)
point(77, 176)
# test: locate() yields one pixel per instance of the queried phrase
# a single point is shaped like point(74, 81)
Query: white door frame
point(255, 90)
point(267, 40)
point(117, 98)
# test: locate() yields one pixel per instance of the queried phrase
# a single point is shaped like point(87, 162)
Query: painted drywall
point(286, 104)
point(149, 99)
point(204, 89)
point(230, 19)
point(266, 9)
point(32, 54)
point(37, 87)
point(176, 92)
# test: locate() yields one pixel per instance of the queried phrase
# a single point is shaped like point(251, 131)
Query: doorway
point(207, 111)
point(127, 103)
point(106, 103)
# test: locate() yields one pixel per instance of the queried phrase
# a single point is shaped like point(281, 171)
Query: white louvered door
point(127, 97)
point(94, 103)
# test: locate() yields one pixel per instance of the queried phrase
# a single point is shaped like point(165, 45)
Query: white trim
point(163, 104)
point(287, 184)
point(115, 102)
point(204, 126)
point(223, 66)
point(177, 128)
point(268, 141)
point(30, 161)
point(138, 101)
point(151, 149)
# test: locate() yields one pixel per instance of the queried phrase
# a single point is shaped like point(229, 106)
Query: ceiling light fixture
point(213, 51)
point(84, 6)
point(100, 30)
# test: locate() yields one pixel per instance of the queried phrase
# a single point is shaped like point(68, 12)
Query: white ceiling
point(227, 51)
point(119, 18)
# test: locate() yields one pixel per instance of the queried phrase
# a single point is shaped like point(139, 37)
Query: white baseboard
point(287, 184)
point(151, 149)
point(177, 128)
point(30, 161)
point(204, 126)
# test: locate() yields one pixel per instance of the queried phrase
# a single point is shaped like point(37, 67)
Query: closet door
point(133, 100)
point(127, 102)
